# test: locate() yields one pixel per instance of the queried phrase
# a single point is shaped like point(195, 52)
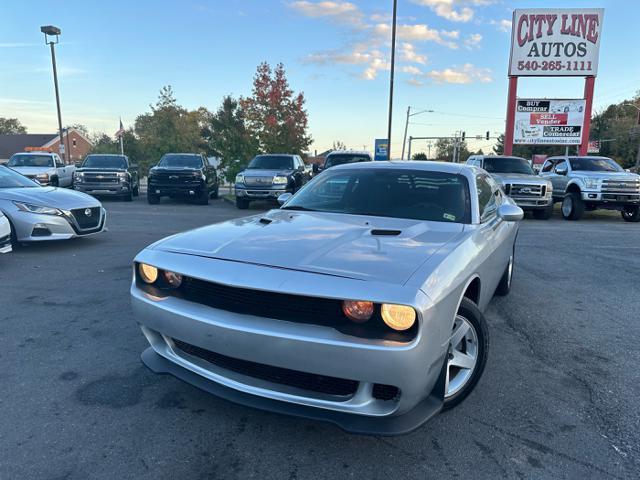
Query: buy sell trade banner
point(548, 122)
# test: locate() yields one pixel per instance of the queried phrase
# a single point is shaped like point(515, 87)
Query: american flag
point(120, 131)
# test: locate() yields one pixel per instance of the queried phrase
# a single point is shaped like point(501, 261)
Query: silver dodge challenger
point(358, 302)
point(36, 213)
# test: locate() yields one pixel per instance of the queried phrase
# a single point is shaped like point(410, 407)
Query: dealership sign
point(381, 146)
point(548, 122)
point(555, 42)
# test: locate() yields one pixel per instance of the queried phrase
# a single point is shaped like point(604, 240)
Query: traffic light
point(464, 134)
point(487, 135)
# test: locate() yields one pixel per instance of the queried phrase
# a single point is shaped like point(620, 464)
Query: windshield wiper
point(299, 208)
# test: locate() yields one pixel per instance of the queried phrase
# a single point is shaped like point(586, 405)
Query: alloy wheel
point(567, 206)
point(463, 356)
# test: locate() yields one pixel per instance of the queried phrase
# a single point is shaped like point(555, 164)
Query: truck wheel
point(203, 199)
point(631, 214)
point(467, 355)
point(128, 197)
point(136, 191)
point(242, 203)
point(544, 214)
point(572, 206)
point(504, 287)
point(153, 199)
point(54, 182)
point(216, 192)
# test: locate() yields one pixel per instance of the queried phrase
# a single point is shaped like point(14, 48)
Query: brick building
point(79, 145)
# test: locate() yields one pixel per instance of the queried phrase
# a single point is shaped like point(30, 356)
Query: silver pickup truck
point(45, 167)
point(519, 181)
point(591, 183)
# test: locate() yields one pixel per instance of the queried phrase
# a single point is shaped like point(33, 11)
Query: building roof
point(10, 144)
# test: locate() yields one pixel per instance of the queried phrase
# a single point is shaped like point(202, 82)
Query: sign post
point(381, 149)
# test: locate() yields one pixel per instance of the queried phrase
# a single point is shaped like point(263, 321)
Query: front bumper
point(613, 198)
point(414, 368)
point(182, 190)
point(528, 203)
point(267, 192)
point(5, 235)
point(103, 188)
point(33, 227)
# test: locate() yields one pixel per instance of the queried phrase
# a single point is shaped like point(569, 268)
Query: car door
point(559, 177)
point(133, 172)
point(64, 173)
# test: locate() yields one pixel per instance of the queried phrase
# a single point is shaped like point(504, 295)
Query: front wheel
point(572, 206)
point(136, 191)
point(203, 199)
point(216, 192)
point(242, 203)
point(631, 213)
point(467, 355)
point(128, 197)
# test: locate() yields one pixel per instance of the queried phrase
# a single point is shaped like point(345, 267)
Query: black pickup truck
point(107, 174)
point(184, 175)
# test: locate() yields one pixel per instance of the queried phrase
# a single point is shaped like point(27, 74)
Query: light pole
point(393, 62)
point(406, 126)
point(51, 31)
point(638, 109)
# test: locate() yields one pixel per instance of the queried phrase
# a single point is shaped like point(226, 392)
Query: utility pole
point(393, 61)
point(406, 126)
point(50, 30)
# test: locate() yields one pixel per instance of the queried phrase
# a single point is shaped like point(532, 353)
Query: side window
point(487, 198)
point(548, 166)
point(58, 162)
point(561, 165)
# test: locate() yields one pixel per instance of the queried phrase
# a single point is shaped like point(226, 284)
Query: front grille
point(523, 190)
point(621, 186)
point(282, 376)
point(100, 178)
point(87, 217)
point(177, 178)
point(258, 181)
point(281, 306)
point(385, 392)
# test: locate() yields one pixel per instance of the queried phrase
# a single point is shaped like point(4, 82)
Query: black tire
point(153, 199)
point(128, 197)
point(572, 206)
point(470, 312)
point(631, 213)
point(136, 191)
point(54, 182)
point(216, 192)
point(242, 203)
point(504, 287)
point(544, 214)
point(203, 199)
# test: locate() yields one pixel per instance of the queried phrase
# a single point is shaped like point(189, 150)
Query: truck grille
point(177, 178)
point(621, 186)
point(87, 217)
point(101, 177)
point(527, 191)
point(283, 376)
point(258, 181)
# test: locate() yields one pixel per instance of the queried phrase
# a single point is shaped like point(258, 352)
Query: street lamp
point(51, 31)
point(393, 63)
point(406, 126)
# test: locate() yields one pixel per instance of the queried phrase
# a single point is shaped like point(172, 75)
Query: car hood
point(33, 170)
point(49, 197)
point(603, 175)
point(519, 177)
point(324, 243)
point(265, 173)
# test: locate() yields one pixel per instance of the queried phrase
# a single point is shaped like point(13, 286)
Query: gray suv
point(591, 183)
point(519, 181)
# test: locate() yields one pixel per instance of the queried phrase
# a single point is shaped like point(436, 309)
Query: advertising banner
point(548, 122)
point(381, 149)
point(555, 42)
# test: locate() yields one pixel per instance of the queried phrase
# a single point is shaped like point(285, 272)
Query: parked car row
point(579, 183)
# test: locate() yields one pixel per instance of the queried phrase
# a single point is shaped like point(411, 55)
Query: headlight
point(173, 279)
point(43, 177)
point(78, 175)
point(240, 178)
point(591, 183)
point(28, 207)
point(357, 311)
point(123, 175)
point(148, 273)
point(280, 180)
point(398, 317)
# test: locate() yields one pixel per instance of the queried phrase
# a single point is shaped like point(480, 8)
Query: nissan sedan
point(358, 302)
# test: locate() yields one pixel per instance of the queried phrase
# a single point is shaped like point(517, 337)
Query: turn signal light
point(398, 317)
point(357, 311)
point(148, 273)
point(173, 279)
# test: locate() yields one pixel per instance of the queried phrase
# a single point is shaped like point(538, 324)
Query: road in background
point(560, 396)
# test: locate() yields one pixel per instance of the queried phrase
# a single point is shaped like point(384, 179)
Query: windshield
point(595, 164)
point(104, 161)
point(271, 162)
point(22, 160)
point(11, 179)
point(507, 165)
point(400, 193)
point(183, 161)
point(339, 159)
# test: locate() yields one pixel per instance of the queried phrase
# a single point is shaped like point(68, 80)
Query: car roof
point(563, 157)
point(348, 152)
point(105, 155)
point(35, 152)
point(178, 153)
point(446, 167)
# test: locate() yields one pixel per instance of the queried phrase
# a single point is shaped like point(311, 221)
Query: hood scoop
point(379, 232)
point(265, 221)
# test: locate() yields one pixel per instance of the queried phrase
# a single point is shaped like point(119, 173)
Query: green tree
point(103, 143)
point(338, 145)
point(419, 156)
point(80, 128)
point(445, 147)
point(614, 127)
point(11, 126)
point(275, 116)
point(169, 128)
point(227, 137)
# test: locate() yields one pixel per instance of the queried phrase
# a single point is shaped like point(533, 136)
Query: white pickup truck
point(45, 167)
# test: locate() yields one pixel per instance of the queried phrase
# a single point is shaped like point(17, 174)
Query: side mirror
point(510, 213)
point(284, 198)
point(628, 170)
point(78, 164)
point(561, 171)
point(315, 168)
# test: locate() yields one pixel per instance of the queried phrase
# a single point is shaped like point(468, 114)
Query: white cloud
point(374, 59)
point(415, 82)
point(473, 41)
point(324, 9)
point(412, 70)
point(503, 25)
point(417, 32)
point(466, 74)
point(449, 9)
point(408, 54)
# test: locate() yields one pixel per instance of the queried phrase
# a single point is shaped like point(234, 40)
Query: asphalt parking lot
point(560, 396)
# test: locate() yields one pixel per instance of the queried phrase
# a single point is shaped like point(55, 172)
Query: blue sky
point(113, 57)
